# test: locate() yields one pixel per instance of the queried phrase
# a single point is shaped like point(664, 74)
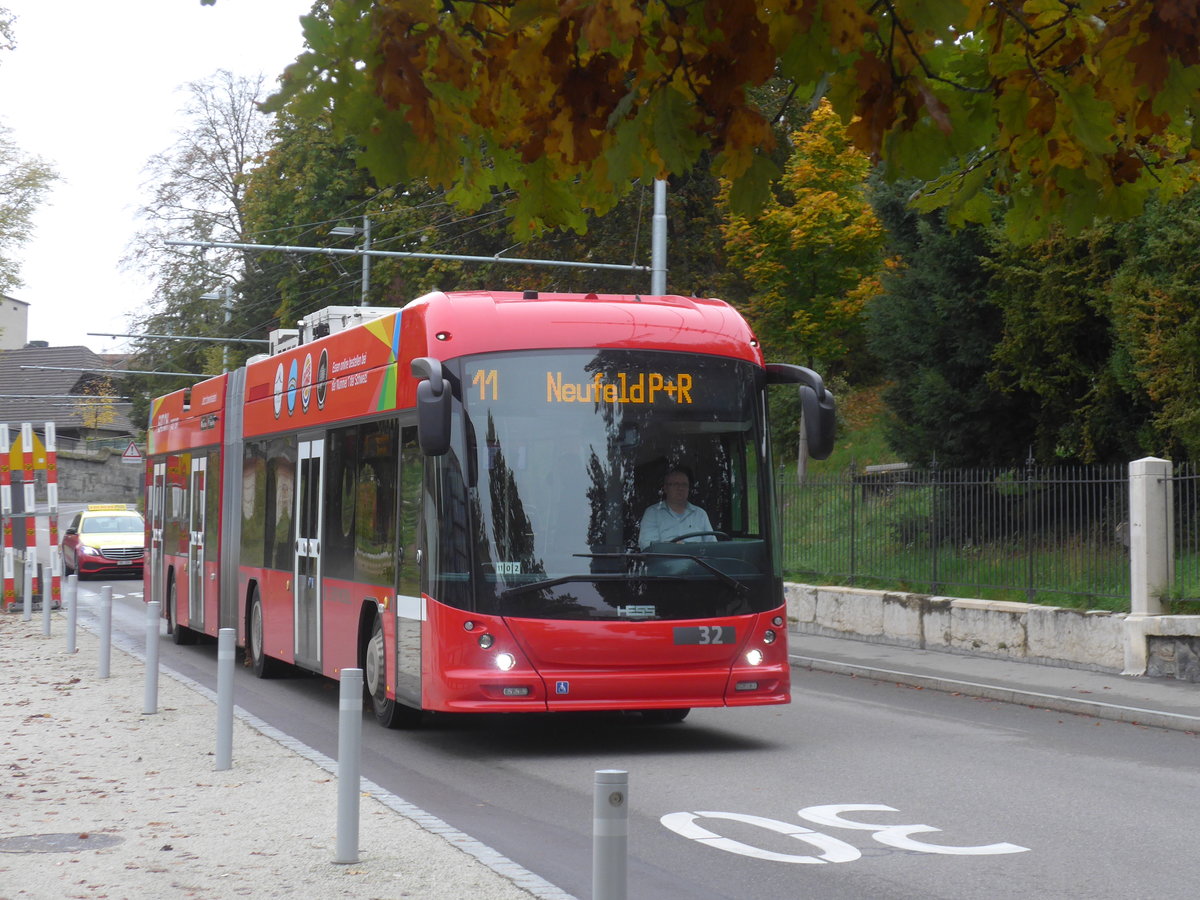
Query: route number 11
point(485, 378)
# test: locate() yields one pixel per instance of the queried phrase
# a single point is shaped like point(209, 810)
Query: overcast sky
point(94, 87)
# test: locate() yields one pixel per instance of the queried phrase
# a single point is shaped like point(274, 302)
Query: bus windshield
point(562, 454)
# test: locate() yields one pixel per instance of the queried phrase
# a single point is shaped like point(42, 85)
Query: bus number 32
point(832, 849)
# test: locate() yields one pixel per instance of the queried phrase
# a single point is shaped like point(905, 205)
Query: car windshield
point(112, 524)
point(564, 453)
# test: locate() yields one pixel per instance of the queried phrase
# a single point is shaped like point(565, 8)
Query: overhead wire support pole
point(658, 240)
point(404, 254)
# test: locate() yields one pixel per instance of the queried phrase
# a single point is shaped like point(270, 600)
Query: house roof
point(59, 394)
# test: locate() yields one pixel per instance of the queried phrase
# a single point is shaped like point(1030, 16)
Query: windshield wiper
point(564, 579)
point(735, 585)
point(729, 580)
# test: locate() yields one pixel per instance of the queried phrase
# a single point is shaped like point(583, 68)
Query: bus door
point(158, 503)
point(307, 597)
point(196, 526)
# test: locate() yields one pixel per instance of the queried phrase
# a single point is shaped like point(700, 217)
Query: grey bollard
point(349, 763)
point(47, 599)
point(71, 598)
point(226, 653)
point(610, 834)
point(27, 587)
point(150, 697)
point(105, 629)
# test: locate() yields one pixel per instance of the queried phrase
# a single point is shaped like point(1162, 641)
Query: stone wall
point(100, 477)
point(1083, 639)
point(1173, 657)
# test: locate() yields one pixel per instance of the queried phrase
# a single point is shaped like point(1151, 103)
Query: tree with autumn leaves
point(1052, 113)
point(810, 257)
point(1064, 109)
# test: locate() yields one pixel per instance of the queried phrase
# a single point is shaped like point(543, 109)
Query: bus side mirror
point(820, 421)
point(433, 406)
point(816, 405)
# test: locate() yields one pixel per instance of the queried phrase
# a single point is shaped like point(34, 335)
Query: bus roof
point(483, 321)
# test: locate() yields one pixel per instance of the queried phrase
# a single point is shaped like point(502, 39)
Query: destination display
point(560, 380)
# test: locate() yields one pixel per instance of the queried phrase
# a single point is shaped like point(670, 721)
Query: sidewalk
point(100, 800)
point(1163, 703)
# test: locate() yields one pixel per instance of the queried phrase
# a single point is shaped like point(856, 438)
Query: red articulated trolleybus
point(448, 496)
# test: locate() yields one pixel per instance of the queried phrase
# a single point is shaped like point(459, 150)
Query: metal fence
point(1185, 490)
point(1048, 535)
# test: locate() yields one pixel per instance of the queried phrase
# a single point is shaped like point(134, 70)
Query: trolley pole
point(610, 834)
point(349, 763)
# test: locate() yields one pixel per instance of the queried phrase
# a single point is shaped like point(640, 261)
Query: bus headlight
point(755, 657)
point(769, 636)
point(505, 661)
point(486, 640)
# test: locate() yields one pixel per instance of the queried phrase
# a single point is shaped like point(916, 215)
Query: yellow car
point(105, 539)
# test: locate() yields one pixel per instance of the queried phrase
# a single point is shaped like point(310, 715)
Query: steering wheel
point(719, 535)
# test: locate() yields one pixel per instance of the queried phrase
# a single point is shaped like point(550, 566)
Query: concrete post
point(1151, 535)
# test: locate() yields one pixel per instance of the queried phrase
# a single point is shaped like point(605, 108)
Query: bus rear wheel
point(262, 665)
point(388, 712)
point(180, 634)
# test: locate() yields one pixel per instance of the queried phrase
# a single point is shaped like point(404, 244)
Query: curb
point(1131, 715)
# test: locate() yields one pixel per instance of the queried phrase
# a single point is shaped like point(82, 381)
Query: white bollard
point(226, 653)
point(349, 763)
point(71, 598)
point(105, 629)
point(150, 697)
point(610, 834)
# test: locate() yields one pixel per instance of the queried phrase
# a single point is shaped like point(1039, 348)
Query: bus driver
point(674, 515)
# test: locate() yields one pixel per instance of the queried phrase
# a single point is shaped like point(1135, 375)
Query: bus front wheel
point(388, 712)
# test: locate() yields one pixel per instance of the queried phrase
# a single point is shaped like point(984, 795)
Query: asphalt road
point(857, 789)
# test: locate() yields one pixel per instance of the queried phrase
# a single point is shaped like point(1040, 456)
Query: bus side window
point(281, 498)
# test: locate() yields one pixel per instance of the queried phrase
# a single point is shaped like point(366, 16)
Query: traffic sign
point(132, 454)
point(16, 454)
